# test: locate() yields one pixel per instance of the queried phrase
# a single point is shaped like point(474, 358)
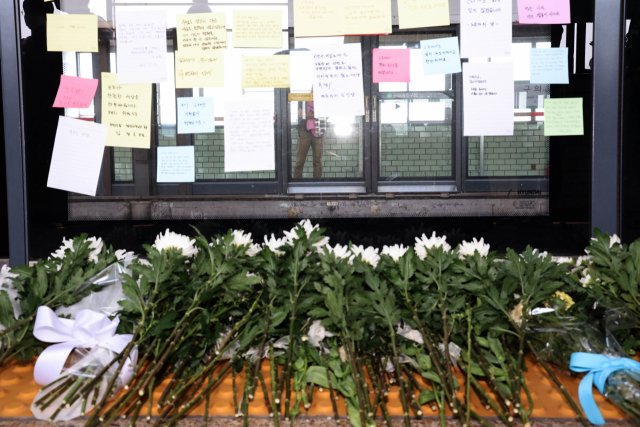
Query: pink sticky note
point(544, 11)
point(391, 65)
point(75, 92)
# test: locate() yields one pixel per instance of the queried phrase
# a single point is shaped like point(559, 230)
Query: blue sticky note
point(550, 66)
point(441, 56)
point(176, 164)
point(195, 115)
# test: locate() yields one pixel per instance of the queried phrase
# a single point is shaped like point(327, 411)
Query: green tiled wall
point(342, 156)
point(210, 159)
point(123, 164)
point(526, 153)
point(415, 151)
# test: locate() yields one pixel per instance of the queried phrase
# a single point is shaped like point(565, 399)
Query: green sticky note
point(563, 117)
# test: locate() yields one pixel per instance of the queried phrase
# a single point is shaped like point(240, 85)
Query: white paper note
point(311, 42)
point(176, 164)
point(249, 136)
point(337, 81)
point(485, 28)
point(488, 98)
point(141, 46)
point(301, 71)
point(77, 156)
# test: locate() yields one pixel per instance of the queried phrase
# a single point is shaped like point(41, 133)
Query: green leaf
point(425, 362)
point(426, 396)
point(6, 310)
point(40, 285)
point(432, 376)
point(317, 375)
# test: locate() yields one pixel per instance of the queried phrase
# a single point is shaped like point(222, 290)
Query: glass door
point(414, 124)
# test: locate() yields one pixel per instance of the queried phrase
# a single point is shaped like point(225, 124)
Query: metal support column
point(13, 131)
point(606, 114)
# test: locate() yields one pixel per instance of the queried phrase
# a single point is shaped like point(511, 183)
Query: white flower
point(308, 228)
point(613, 240)
point(122, 254)
point(584, 259)
point(6, 284)
point(410, 334)
point(562, 259)
point(253, 250)
point(6, 275)
point(96, 246)
point(396, 251)
point(423, 243)
point(317, 333)
point(171, 240)
point(585, 280)
point(241, 239)
point(339, 251)
point(274, 244)
point(469, 248)
point(541, 255)
point(369, 255)
point(144, 261)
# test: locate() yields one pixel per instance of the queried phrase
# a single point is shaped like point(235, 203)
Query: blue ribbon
point(599, 367)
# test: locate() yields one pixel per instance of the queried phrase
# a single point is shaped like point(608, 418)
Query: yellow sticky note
point(126, 109)
point(201, 31)
point(366, 17)
point(315, 18)
point(75, 33)
point(563, 116)
point(265, 71)
point(423, 13)
point(199, 68)
point(257, 28)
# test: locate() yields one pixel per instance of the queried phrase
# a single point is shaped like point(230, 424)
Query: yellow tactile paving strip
point(17, 390)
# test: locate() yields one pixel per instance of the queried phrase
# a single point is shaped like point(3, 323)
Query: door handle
point(366, 108)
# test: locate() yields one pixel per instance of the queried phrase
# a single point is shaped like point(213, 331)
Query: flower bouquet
point(578, 345)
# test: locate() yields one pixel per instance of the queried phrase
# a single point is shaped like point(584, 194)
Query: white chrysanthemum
point(396, 251)
point(6, 284)
point(308, 228)
point(562, 259)
point(96, 246)
point(317, 333)
point(369, 255)
point(612, 240)
point(253, 250)
point(423, 243)
point(122, 254)
point(410, 334)
point(540, 254)
point(585, 280)
point(171, 240)
point(469, 248)
point(339, 251)
point(241, 239)
point(275, 244)
point(586, 260)
point(6, 275)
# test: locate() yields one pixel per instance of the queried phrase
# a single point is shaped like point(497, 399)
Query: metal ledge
point(199, 209)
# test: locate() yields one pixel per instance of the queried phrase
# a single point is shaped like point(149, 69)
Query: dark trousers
point(306, 140)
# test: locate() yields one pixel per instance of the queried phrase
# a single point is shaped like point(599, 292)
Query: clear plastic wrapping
point(106, 300)
point(66, 398)
point(556, 338)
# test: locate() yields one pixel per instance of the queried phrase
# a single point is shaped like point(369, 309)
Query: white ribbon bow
point(88, 330)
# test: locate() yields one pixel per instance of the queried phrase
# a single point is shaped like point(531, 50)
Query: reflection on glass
point(416, 124)
point(324, 148)
point(526, 153)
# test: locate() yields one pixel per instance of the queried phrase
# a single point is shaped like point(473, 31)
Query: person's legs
point(318, 148)
point(304, 141)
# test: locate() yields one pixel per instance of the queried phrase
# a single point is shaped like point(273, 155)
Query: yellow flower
point(565, 298)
